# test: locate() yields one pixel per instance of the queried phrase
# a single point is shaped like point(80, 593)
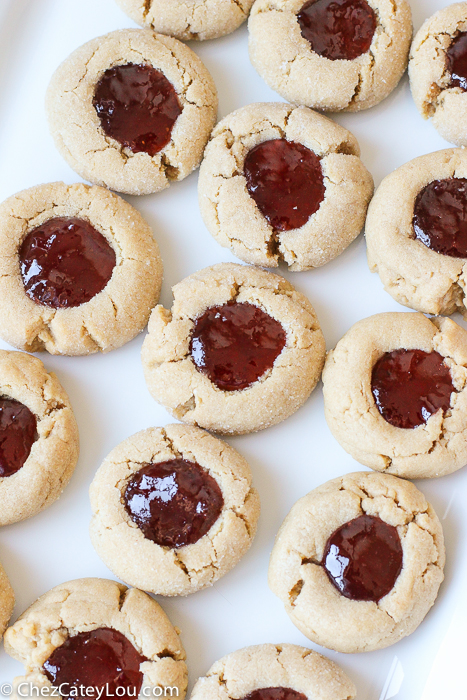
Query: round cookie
point(323, 72)
point(59, 244)
point(376, 389)
point(174, 510)
point(240, 350)
point(438, 89)
point(61, 635)
point(39, 443)
point(132, 110)
point(279, 182)
point(261, 672)
point(197, 19)
point(414, 274)
point(387, 518)
point(7, 601)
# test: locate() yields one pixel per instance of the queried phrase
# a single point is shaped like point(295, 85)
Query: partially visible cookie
point(240, 350)
point(279, 182)
point(395, 394)
point(132, 110)
point(7, 601)
point(39, 442)
point(174, 510)
point(416, 232)
point(93, 632)
point(437, 71)
point(358, 562)
point(79, 270)
point(195, 19)
point(274, 672)
point(331, 54)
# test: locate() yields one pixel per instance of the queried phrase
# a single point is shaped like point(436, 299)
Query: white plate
point(111, 401)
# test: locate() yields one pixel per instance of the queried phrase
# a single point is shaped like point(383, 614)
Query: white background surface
point(111, 401)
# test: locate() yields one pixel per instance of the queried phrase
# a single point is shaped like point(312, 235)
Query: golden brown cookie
point(250, 672)
point(279, 182)
point(416, 232)
point(174, 509)
point(39, 437)
point(60, 635)
point(395, 394)
point(79, 270)
point(347, 543)
point(328, 72)
point(132, 110)
point(438, 89)
point(192, 20)
point(239, 351)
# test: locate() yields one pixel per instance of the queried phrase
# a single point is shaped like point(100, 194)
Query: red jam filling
point(17, 435)
point(275, 694)
point(338, 29)
point(65, 262)
point(363, 558)
point(286, 181)
point(235, 344)
point(440, 217)
point(101, 659)
point(174, 503)
point(137, 106)
point(456, 59)
point(409, 386)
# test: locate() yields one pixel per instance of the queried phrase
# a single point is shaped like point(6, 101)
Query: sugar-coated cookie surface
point(54, 452)
point(113, 316)
point(285, 60)
point(7, 600)
point(196, 19)
point(89, 604)
point(433, 449)
point(174, 380)
point(233, 217)
point(77, 130)
point(162, 569)
point(298, 578)
point(288, 666)
point(430, 75)
point(412, 273)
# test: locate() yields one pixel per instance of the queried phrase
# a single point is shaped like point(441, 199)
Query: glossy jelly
point(338, 29)
point(137, 106)
point(174, 503)
point(101, 659)
point(286, 181)
point(363, 558)
point(65, 262)
point(440, 217)
point(18, 432)
point(409, 386)
point(236, 344)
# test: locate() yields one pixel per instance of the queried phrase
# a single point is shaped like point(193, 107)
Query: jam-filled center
point(286, 181)
point(338, 29)
point(137, 106)
point(456, 61)
point(101, 659)
point(65, 262)
point(440, 217)
point(235, 344)
point(409, 386)
point(18, 432)
point(363, 558)
point(174, 503)
point(275, 694)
